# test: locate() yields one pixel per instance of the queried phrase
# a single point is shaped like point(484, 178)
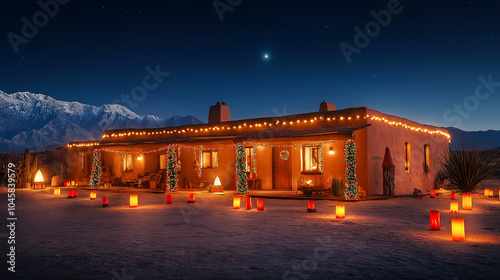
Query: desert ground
point(61, 238)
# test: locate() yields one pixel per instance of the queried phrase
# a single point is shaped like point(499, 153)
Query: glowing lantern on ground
point(217, 187)
point(310, 206)
point(486, 192)
point(249, 203)
point(105, 202)
point(454, 207)
point(466, 201)
point(457, 229)
point(67, 183)
point(57, 191)
point(72, 183)
point(93, 195)
point(452, 196)
point(134, 200)
point(433, 193)
point(169, 199)
point(490, 193)
point(476, 194)
point(340, 211)
point(192, 198)
point(260, 204)
point(39, 180)
point(435, 220)
point(72, 194)
point(236, 202)
point(217, 181)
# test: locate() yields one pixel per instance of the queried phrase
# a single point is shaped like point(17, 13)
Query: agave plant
point(467, 167)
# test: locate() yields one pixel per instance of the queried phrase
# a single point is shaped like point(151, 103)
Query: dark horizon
point(425, 63)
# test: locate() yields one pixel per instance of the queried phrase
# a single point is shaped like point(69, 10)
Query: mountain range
point(39, 122)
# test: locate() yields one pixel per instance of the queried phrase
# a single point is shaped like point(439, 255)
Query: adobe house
point(281, 152)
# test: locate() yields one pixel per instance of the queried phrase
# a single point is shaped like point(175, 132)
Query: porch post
point(95, 176)
point(241, 176)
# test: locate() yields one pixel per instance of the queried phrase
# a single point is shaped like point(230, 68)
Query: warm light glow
point(73, 183)
point(340, 211)
point(490, 193)
point(331, 151)
point(457, 229)
point(236, 202)
point(486, 192)
point(39, 177)
point(93, 194)
point(134, 200)
point(454, 207)
point(310, 206)
point(433, 193)
point(466, 201)
point(435, 220)
point(169, 199)
point(452, 196)
point(249, 203)
point(57, 191)
point(139, 157)
point(217, 181)
point(309, 182)
point(104, 201)
point(260, 204)
point(191, 198)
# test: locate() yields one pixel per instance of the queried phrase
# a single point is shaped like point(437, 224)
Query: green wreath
point(284, 155)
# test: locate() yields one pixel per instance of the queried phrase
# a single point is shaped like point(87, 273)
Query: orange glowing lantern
point(236, 202)
point(134, 200)
point(476, 194)
point(457, 229)
point(433, 193)
point(249, 203)
point(72, 183)
point(466, 201)
point(105, 202)
point(490, 193)
point(435, 220)
point(169, 199)
point(72, 194)
point(454, 207)
point(192, 198)
point(340, 211)
point(67, 183)
point(93, 195)
point(39, 181)
point(310, 206)
point(486, 192)
point(260, 204)
point(452, 196)
point(57, 191)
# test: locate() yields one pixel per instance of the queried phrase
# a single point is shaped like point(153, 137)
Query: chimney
point(219, 113)
point(326, 106)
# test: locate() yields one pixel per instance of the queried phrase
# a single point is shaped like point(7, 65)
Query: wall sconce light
point(331, 151)
point(139, 157)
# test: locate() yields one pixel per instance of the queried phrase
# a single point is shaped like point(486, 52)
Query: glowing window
point(210, 159)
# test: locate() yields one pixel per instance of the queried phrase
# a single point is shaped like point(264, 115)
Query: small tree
point(467, 167)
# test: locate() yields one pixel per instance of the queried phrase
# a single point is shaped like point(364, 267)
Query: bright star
point(266, 56)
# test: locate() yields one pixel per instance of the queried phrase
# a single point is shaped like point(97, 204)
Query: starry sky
point(435, 63)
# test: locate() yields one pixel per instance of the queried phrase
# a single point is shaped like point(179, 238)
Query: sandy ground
point(60, 238)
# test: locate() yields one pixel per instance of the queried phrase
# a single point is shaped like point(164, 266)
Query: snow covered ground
point(60, 238)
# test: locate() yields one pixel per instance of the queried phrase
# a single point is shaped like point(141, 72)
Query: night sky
point(265, 58)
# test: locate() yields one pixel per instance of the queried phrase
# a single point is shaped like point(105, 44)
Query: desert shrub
point(467, 167)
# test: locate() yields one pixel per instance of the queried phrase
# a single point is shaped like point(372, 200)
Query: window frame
point(303, 160)
point(125, 167)
point(212, 164)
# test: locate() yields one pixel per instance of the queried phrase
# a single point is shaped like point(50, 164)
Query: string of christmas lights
point(95, 177)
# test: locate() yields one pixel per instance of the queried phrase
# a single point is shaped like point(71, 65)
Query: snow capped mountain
point(37, 122)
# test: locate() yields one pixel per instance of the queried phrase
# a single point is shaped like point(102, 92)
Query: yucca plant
point(467, 167)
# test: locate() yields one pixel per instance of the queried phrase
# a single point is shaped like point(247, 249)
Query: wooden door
point(282, 169)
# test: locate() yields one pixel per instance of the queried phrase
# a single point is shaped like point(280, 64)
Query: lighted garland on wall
point(321, 159)
point(173, 167)
point(254, 150)
point(241, 176)
point(351, 185)
point(95, 177)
